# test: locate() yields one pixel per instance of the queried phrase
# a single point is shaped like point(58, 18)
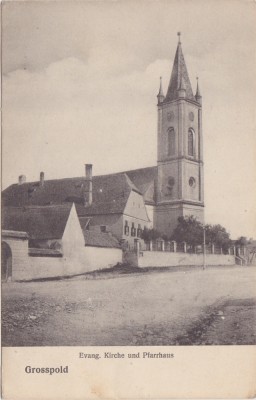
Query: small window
point(171, 142)
point(191, 142)
point(192, 182)
point(103, 228)
point(133, 230)
point(170, 185)
point(126, 228)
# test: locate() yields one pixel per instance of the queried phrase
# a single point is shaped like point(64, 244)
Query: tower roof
point(179, 77)
point(198, 94)
point(160, 93)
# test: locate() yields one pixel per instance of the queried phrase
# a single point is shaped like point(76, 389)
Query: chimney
point(41, 178)
point(22, 179)
point(88, 176)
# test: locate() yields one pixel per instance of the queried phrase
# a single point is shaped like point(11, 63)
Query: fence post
point(174, 246)
point(212, 248)
point(137, 246)
point(162, 245)
point(150, 245)
point(184, 247)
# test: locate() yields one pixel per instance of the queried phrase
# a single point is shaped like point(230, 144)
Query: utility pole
point(204, 265)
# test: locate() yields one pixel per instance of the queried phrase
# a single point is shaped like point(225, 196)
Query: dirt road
point(185, 306)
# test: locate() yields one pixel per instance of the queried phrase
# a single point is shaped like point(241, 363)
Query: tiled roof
point(49, 222)
point(99, 219)
point(109, 192)
point(100, 239)
point(179, 75)
point(39, 222)
point(56, 191)
point(109, 195)
point(143, 179)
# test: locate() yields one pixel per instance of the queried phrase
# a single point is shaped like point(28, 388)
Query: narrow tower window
point(191, 142)
point(171, 142)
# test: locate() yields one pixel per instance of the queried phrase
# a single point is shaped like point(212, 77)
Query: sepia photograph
point(128, 174)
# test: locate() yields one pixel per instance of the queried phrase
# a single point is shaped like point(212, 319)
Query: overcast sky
point(80, 81)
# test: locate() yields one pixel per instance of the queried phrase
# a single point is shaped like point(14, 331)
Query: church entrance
point(6, 262)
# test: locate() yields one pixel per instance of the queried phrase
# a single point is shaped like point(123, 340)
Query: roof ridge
point(35, 206)
point(139, 169)
point(77, 177)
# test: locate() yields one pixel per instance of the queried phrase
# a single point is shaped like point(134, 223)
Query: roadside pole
point(204, 265)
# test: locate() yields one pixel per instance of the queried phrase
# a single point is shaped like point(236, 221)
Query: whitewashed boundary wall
point(89, 259)
point(164, 259)
point(101, 257)
point(85, 259)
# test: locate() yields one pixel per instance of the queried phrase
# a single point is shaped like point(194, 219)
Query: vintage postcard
point(128, 241)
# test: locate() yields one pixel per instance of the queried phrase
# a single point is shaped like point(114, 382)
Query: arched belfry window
point(171, 142)
point(191, 142)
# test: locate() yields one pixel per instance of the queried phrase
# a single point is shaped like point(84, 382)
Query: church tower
point(180, 189)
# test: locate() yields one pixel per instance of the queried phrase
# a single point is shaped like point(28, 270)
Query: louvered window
point(191, 142)
point(171, 142)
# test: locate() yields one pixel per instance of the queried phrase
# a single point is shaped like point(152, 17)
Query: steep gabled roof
point(109, 192)
point(144, 180)
point(43, 223)
point(179, 77)
point(100, 239)
point(56, 191)
point(109, 195)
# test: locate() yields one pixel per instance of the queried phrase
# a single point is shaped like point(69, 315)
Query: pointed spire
point(182, 88)
point(160, 88)
point(160, 95)
point(182, 84)
point(198, 94)
point(179, 77)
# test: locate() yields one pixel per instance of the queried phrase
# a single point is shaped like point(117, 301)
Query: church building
point(180, 150)
point(154, 197)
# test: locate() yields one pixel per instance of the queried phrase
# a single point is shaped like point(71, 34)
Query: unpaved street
point(183, 306)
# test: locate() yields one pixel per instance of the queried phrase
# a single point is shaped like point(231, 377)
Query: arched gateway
point(6, 262)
